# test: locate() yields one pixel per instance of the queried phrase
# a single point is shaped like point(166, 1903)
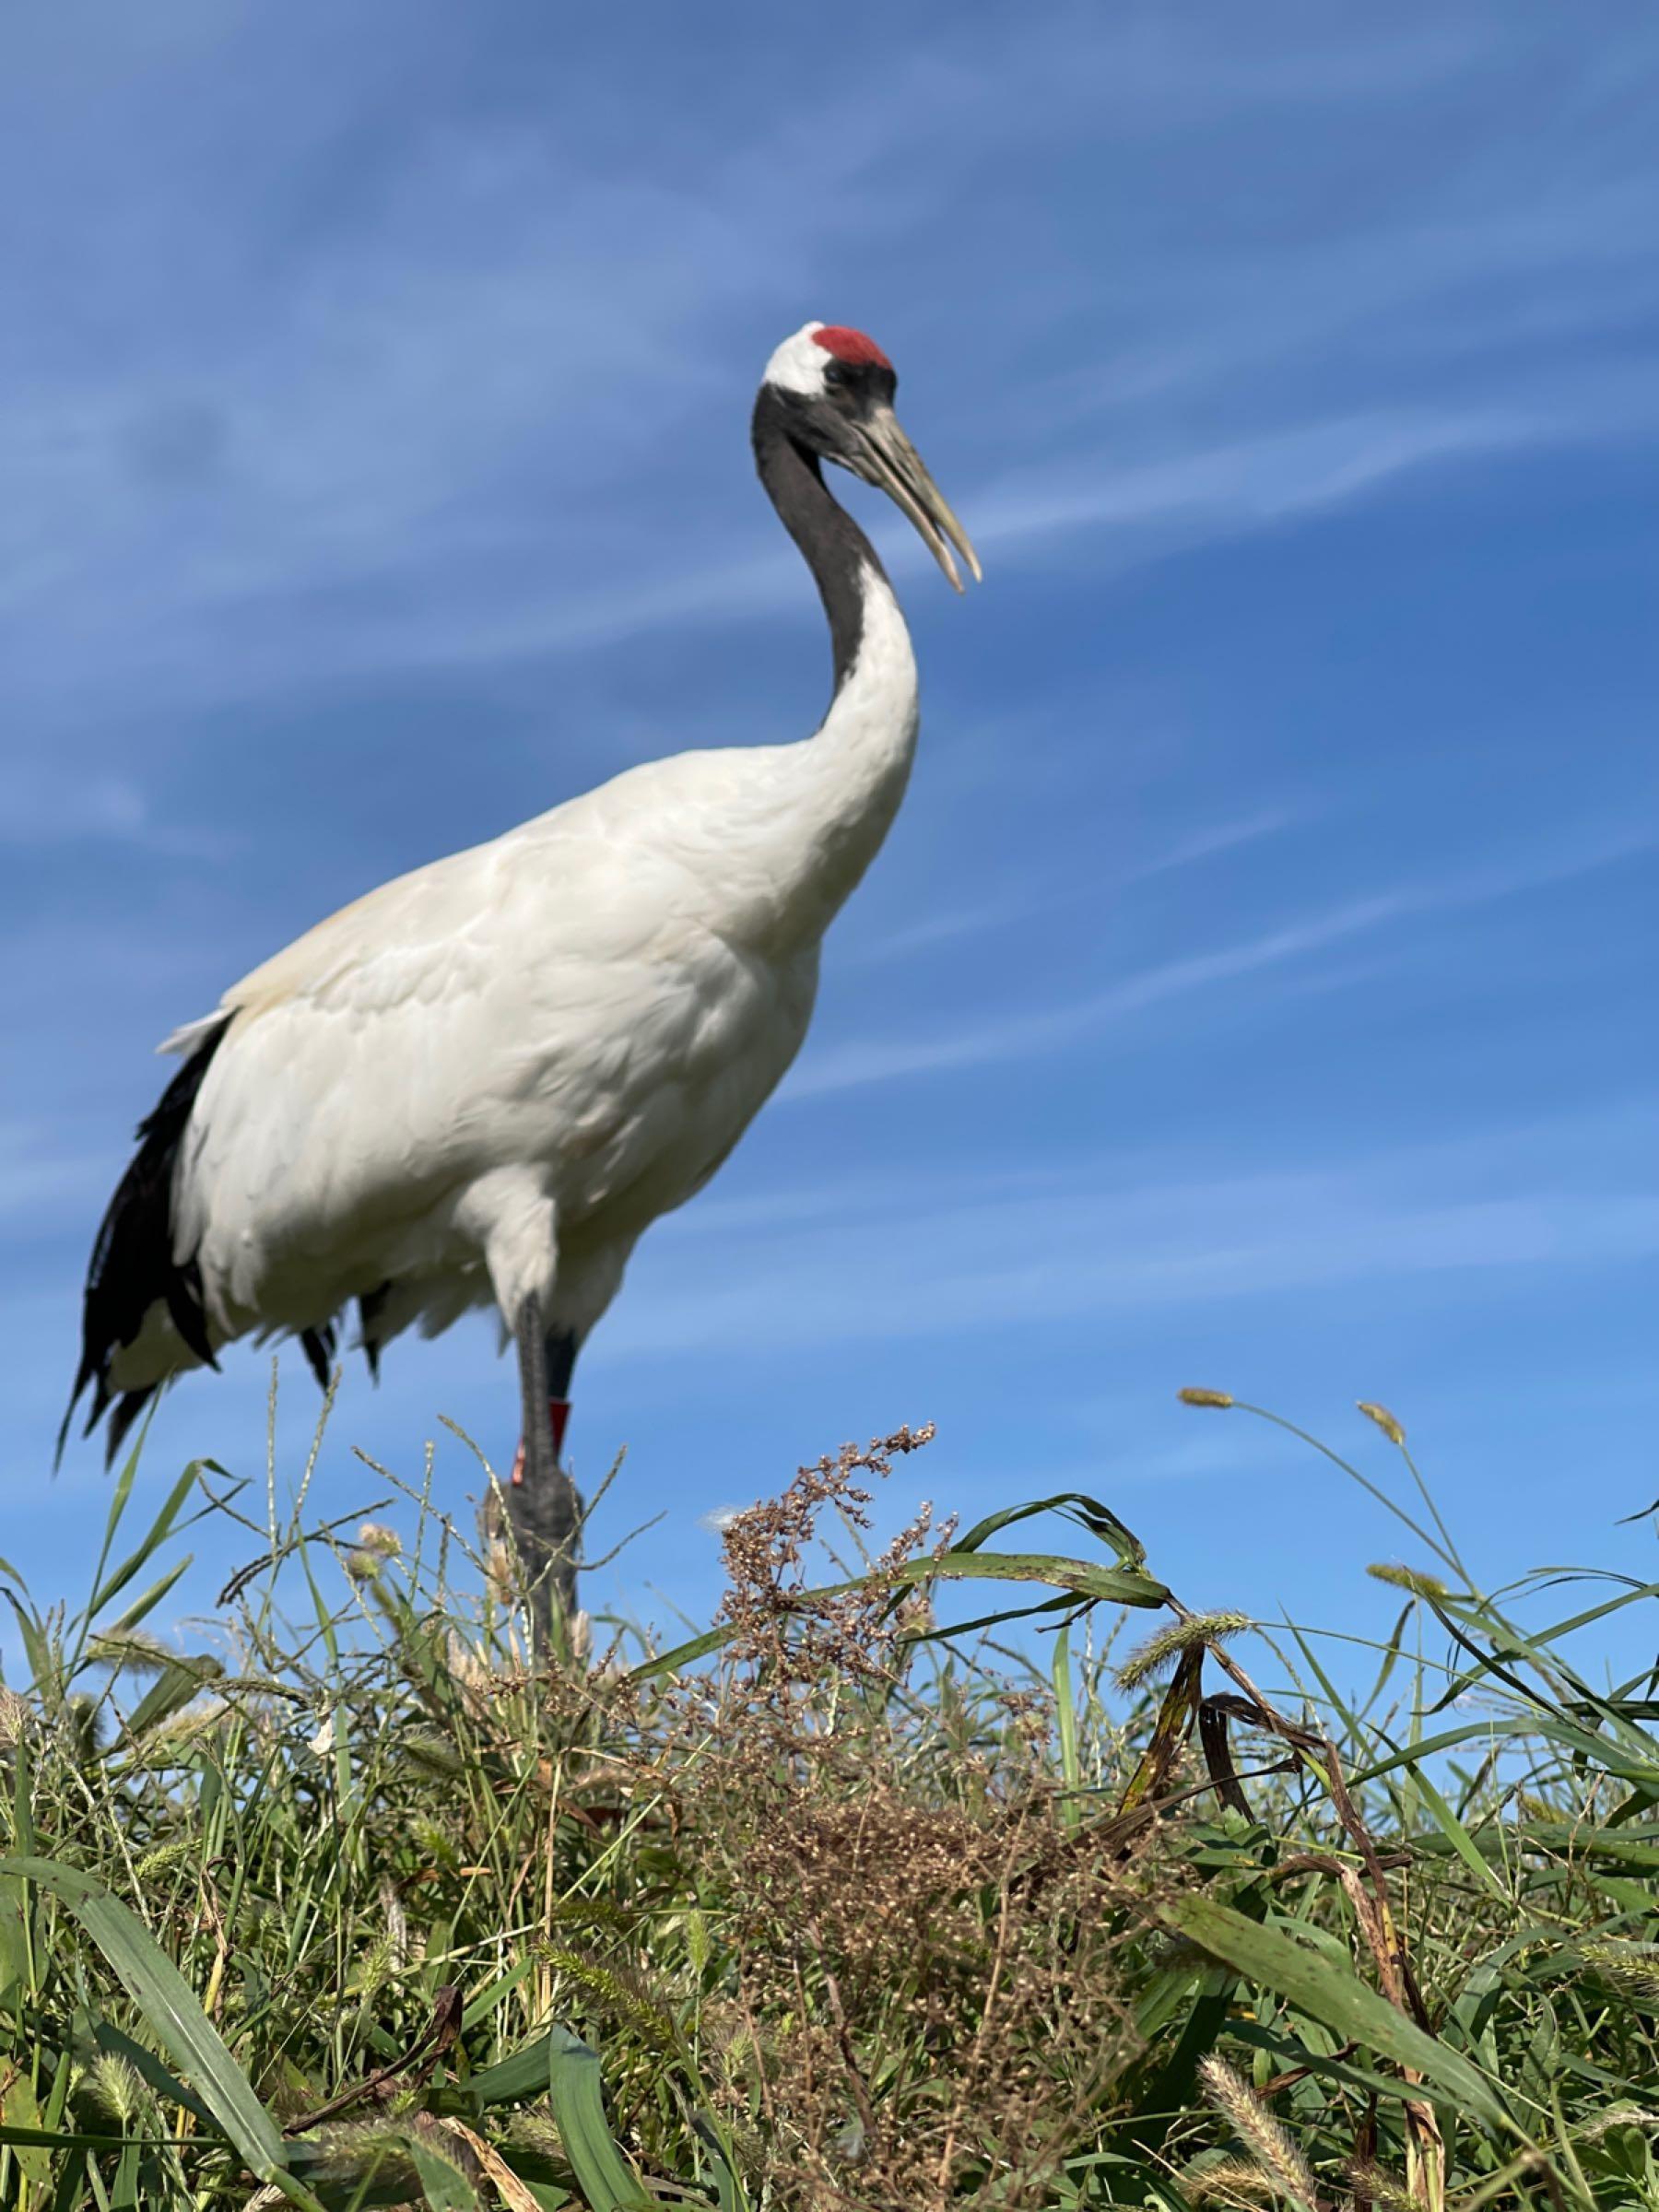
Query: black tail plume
point(370, 1309)
point(132, 1267)
point(318, 1345)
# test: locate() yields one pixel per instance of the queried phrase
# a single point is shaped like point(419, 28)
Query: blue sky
point(1256, 989)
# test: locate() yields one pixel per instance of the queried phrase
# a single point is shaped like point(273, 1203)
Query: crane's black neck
point(834, 547)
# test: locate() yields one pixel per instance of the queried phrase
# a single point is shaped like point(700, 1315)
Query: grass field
point(1089, 1901)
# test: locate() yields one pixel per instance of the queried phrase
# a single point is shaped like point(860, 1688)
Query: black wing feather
point(132, 1267)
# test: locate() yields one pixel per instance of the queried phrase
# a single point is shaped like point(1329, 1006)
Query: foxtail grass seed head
point(115, 2092)
point(1412, 1579)
point(134, 1652)
point(626, 1997)
point(13, 1719)
point(1268, 2143)
point(1151, 1657)
point(1381, 2187)
point(1192, 1395)
point(397, 1922)
point(536, 2130)
point(1224, 2180)
point(1630, 1968)
point(190, 1721)
point(166, 1858)
point(1617, 2115)
point(1384, 1420)
point(354, 2153)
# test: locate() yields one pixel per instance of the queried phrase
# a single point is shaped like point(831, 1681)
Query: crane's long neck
point(855, 768)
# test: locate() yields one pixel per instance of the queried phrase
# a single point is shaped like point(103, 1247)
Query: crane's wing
point(429, 1034)
point(591, 881)
point(407, 1045)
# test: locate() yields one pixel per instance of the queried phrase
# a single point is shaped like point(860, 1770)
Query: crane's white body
point(488, 1077)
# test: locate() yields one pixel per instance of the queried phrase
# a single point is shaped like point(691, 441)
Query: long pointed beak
point(886, 457)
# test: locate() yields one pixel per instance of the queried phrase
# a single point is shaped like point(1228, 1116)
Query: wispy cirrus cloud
point(222, 623)
point(1132, 515)
point(379, 462)
point(1006, 909)
point(1217, 838)
point(1092, 1237)
point(855, 1064)
point(1251, 482)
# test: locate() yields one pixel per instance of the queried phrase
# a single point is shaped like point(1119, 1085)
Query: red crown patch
point(851, 346)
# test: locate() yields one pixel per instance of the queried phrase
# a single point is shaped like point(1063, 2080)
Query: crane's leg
point(541, 1499)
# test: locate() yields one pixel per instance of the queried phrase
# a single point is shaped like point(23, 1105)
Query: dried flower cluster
point(880, 1846)
point(766, 1551)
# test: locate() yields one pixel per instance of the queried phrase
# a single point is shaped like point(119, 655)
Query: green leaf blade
point(1339, 2000)
point(168, 2003)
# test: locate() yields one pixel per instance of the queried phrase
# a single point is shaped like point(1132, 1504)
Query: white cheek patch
point(799, 364)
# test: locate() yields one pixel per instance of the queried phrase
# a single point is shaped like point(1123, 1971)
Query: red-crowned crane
point(486, 1080)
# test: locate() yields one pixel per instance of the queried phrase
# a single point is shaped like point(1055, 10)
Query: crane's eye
point(835, 373)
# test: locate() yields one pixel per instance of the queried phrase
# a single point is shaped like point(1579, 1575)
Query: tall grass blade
point(521, 2074)
point(164, 1996)
point(1335, 1997)
point(36, 1647)
point(1065, 1722)
point(1077, 1506)
point(601, 2173)
point(142, 1608)
point(1175, 1718)
point(172, 1689)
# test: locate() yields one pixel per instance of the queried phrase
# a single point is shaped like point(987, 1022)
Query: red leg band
point(559, 1420)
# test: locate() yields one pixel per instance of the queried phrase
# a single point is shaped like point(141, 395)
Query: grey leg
point(543, 1501)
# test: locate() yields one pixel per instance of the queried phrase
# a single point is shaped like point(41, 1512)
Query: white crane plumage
point(483, 1081)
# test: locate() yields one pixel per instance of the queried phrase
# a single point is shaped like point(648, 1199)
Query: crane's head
point(838, 386)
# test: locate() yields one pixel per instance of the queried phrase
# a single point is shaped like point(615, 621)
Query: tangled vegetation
point(349, 1905)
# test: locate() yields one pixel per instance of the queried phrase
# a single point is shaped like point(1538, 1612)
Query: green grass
point(340, 1903)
